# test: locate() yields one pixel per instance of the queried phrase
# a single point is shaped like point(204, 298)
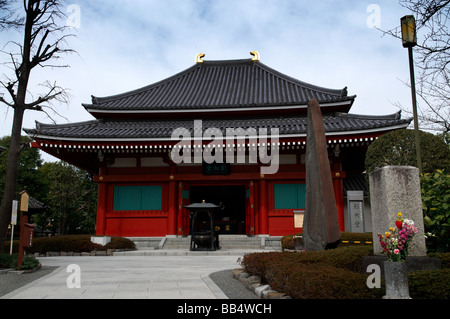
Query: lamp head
point(409, 36)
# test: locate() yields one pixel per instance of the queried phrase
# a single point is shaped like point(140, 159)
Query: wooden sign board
point(24, 198)
point(27, 233)
point(299, 216)
point(355, 204)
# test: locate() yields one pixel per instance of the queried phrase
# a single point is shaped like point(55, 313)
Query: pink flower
point(396, 251)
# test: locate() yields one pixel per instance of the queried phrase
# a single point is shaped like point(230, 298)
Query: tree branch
point(432, 58)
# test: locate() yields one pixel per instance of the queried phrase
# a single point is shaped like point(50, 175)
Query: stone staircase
point(166, 245)
point(181, 243)
point(148, 243)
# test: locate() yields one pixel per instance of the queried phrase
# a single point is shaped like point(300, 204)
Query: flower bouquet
point(395, 243)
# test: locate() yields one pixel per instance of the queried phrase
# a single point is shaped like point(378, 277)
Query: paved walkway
point(122, 277)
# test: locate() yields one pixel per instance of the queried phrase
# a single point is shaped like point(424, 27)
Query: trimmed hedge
point(430, 284)
point(328, 282)
point(444, 257)
point(293, 241)
point(73, 243)
point(349, 258)
point(336, 274)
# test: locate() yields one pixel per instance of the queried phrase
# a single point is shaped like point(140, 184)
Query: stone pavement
point(123, 277)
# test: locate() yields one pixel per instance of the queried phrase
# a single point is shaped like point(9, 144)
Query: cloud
point(124, 45)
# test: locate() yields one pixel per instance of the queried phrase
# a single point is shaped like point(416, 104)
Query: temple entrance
point(230, 219)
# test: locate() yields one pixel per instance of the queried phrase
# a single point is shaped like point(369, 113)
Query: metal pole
point(414, 101)
point(12, 238)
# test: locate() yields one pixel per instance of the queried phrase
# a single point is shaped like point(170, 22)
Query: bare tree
point(44, 34)
point(7, 16)
point(432, 59)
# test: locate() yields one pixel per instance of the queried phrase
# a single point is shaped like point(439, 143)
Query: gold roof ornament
point(198, 58)
point(255, 55)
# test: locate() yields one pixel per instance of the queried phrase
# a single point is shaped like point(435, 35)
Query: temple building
point(231, 132)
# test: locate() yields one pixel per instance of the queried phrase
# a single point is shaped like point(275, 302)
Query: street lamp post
point(409, 40)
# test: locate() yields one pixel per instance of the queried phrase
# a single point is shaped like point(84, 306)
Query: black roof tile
point(220, 84)
point(150, 129)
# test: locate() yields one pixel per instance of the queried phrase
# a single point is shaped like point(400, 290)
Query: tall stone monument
point(320, 227)
point(396, 189)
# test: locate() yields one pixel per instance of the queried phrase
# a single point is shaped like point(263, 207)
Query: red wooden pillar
point(252, 209)
point(172, 209)
point(23, 219)
point(183, 214)
point(263, 214)
point(339, 196)
point(101, 205)
point(180, 209)
point(338, 176)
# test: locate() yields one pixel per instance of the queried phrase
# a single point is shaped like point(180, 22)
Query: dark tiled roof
point(355, 183)
point(34, 204)
point(147, 129)
point(220, 84)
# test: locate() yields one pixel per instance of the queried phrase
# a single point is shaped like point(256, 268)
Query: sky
point(125, 45)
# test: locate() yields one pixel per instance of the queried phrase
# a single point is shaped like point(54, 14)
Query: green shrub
point(399, 148)
point(355, 237)
point(429, 284)
point(436, 209)
point(29, 263)
point(256, 263)
point(10, 261)
point(120, 243)
point(444, 257)
point(335, 273)
point(327, 282)
point(5, 261)
point(76, 244)
point(338, 274)
point(293, 241)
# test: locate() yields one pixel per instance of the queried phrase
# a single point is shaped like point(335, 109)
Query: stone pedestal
point(396, 278)
point(413, 263)
point(395, 189)
point(101, 240)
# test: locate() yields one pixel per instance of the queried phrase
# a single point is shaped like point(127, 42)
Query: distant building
point(146, 174)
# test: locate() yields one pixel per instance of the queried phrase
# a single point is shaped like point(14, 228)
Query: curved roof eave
point(212, 85)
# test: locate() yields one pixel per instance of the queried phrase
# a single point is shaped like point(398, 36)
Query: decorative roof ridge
point(40, 125)
point(340, 92)
point(98, 100)
point(394, 116)
point(223, 62)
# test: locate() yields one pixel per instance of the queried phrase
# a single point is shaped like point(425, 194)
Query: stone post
point(320, 225)
point(395, 189)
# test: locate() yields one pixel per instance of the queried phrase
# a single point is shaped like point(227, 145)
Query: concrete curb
point(213, 287)
point(253, 283)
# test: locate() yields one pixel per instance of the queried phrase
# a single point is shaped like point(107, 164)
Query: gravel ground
point(12, 281)
point(233, 288)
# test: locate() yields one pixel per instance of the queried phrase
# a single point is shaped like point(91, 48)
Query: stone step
point(187, 252)
point(227, 242)
point(147, 243)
